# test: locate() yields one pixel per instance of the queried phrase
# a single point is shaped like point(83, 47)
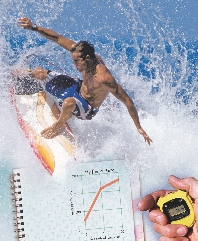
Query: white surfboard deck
point(36, 112)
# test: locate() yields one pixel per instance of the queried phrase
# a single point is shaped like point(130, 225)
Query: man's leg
point(68, 106)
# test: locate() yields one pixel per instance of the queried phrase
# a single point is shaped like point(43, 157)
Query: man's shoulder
point(103, 74)
point(101, 68)
point(99, 59)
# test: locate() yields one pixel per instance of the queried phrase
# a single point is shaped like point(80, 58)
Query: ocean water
point(154, 61)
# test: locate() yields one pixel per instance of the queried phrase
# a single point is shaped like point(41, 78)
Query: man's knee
point(69, 104)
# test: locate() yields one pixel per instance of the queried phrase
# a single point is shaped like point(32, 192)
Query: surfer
point(168, 231)
point(97, 80)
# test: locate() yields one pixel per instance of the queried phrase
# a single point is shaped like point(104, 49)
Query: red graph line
point(97, 195)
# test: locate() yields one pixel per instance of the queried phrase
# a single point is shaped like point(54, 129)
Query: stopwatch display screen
point(176, 209)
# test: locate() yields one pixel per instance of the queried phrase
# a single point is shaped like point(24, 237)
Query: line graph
point(100, 202)
point(97, 195)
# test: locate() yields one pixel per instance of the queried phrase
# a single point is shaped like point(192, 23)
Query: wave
point(155, 64)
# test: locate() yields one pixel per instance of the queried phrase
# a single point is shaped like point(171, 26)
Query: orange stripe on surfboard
point(40, 147)
point(38, 143)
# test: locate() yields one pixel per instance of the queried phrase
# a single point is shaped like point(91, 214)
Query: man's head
point(83, 54)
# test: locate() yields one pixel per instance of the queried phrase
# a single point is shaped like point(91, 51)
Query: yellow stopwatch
point(178, 207)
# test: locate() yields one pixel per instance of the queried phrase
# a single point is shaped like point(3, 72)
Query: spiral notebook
point(87, 201)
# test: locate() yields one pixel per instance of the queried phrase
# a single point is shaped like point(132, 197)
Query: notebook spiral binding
point(18, 207)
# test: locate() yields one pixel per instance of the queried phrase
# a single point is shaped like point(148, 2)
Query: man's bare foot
point(52, 131)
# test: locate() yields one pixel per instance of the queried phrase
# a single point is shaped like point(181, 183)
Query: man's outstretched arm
point(121, 95)
point(113, 87)
point(47, 33)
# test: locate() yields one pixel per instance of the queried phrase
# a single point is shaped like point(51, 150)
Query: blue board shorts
point(63, 86)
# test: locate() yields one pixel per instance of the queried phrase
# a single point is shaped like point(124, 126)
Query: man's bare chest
point(90, 84)
point(91, 88)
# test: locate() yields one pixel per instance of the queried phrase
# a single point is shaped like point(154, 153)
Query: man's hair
point(84, 48)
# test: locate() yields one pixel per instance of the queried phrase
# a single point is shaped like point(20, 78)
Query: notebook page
point(87, 201)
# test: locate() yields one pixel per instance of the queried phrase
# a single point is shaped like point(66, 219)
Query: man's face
point(79, 62)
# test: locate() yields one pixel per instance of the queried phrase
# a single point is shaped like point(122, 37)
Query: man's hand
point(25, 23)
point(146, 137)
point(172, 232)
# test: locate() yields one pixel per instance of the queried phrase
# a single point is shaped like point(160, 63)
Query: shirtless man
point(97, 80)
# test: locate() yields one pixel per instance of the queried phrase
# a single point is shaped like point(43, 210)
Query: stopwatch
point(178, 207)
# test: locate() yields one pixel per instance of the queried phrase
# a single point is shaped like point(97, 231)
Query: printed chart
point(85, 202)
point(101, 202)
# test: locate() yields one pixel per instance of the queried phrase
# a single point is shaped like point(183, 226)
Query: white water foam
point(111, 134)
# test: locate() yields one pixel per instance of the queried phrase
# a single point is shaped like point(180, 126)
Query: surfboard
point(35, 112)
